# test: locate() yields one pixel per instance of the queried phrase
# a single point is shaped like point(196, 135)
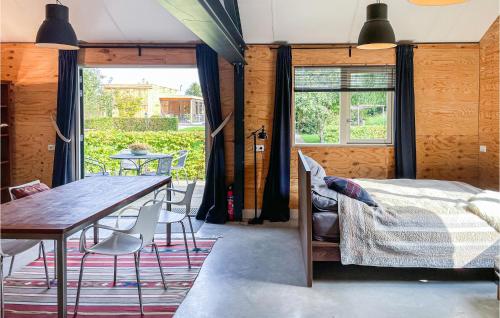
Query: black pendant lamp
point(377, 32)
point(55, 31)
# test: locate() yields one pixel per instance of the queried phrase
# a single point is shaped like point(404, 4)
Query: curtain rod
point(325, 46)
point(137, 45)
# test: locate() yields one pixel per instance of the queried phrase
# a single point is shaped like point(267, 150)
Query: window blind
point(345, 78)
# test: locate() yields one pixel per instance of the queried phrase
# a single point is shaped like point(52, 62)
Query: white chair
point(12, 198)
point(123, 242)
point(10, 248)
point(170, 217)
point(181, 164)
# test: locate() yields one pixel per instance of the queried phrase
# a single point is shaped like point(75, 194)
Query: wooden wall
point(447, 104)
point(489, 109)
point(33, 71)
point(349, 161)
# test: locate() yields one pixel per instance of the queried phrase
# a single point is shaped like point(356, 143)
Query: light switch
point(482, 148)
point(51, 147)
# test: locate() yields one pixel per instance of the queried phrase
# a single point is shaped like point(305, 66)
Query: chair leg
point(186, 244)
point(11, 265)
point(159, 264)
point(1, 288)
point(39, 251)
point(115, 270)
point(192, 233)
point(79, 284)
point(186, 175)
point(47, 278)
point(136, 260)
point(55, 262)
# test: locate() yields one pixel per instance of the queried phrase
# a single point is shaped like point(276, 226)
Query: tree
point(127, 104)
point(96, 101)
point(194, 90)
point(314, 110)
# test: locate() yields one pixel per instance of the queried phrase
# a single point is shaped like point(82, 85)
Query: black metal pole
point(255, 220)
point(255, 173)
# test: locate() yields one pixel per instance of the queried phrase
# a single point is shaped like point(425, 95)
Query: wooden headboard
point(305, 215)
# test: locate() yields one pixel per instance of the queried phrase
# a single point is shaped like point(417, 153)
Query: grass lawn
point(309, 139)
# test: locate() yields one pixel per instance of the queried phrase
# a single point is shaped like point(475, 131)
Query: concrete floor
point(257, 271)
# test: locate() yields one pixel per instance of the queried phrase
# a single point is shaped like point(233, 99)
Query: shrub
point(102, 144)
point(133, 124)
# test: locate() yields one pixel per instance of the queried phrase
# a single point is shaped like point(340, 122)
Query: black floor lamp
point(261, 134)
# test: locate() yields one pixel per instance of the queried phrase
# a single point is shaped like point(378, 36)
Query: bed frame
point(311, 250)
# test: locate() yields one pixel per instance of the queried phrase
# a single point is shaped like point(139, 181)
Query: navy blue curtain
point(404, 115)
point(66, 106)
point(275, 204)
point(213, 208)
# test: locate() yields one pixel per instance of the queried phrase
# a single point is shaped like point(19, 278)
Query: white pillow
point(316, 169)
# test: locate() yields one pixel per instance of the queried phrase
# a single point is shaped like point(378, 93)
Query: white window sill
point(365, 145)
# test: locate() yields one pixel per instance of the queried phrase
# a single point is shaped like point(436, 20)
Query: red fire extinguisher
point(230, 202)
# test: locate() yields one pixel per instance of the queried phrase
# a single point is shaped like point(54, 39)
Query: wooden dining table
point(58, 213)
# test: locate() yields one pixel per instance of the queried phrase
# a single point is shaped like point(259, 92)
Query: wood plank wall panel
point(33, 71)
point(355, 161)
point(123, 56)
point(489, 109)
point(259, 108)
point(446, 106)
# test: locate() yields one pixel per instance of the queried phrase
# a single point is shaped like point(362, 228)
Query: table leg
point(96, 233)
point(61, 278)
point(169, 207)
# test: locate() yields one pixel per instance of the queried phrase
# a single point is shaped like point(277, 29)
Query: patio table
point(146, 157)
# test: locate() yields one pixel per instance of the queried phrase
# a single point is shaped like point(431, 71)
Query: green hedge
point(102, 144)
point(133, 124)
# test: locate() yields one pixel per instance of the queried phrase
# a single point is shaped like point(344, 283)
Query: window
point(343, 105)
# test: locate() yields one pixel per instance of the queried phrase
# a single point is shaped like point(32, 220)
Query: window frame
point(344, 129)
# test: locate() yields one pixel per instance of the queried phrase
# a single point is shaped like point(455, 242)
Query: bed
point(381, 237)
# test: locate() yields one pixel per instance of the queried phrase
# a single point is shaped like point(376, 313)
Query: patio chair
point(123, 242)
point(181, 164)
point(164, 167)
point(128, 165)
point(11, 248)
point(96, 163)
point(169, 217)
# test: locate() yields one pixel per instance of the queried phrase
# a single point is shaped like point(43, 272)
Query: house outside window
point(341, 105)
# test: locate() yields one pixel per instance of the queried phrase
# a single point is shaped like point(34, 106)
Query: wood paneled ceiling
point(263, 21)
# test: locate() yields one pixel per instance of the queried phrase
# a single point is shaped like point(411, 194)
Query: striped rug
point(27, 296)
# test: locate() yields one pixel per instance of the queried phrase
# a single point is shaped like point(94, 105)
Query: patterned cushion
point(22, 192)
point(350, 189)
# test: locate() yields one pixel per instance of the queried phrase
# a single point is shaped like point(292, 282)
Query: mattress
point(326, 227)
